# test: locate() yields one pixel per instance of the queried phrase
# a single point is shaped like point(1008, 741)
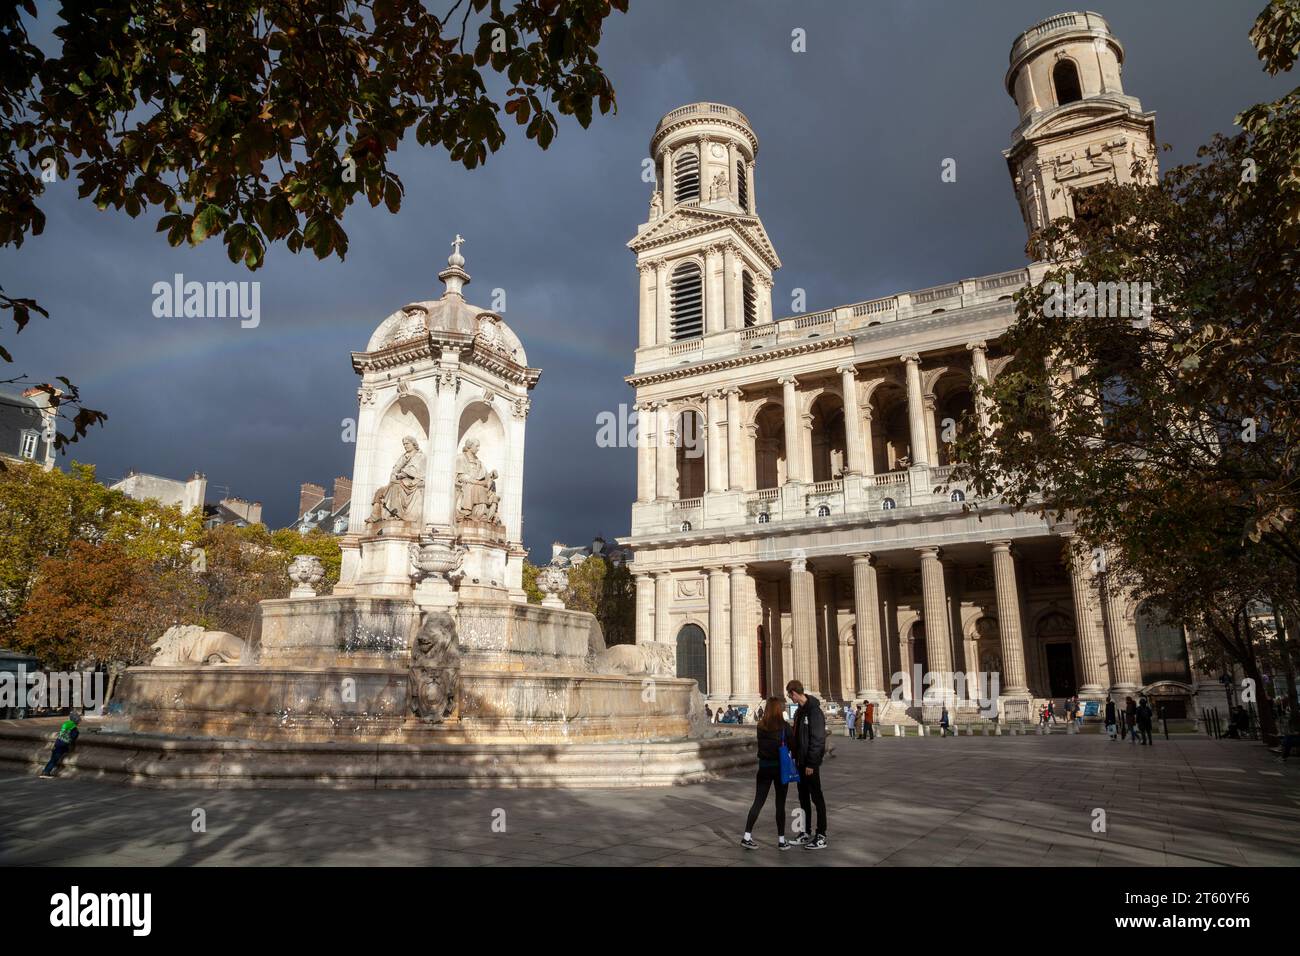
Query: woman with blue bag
point(775, 769)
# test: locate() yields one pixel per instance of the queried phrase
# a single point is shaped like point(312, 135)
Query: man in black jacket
point(809, 748)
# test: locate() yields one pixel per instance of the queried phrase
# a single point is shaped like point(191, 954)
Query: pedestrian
point(708, 714)
point(758, 715)
point(1078, 712)
point(943, 722)
point(63, 741)
point(1110, 717)
point(1051, 713)
point(850, 718)
point(773, 734)
point(869, 719)
point(809, 748)
point(1130, 718)
point(1144, 721)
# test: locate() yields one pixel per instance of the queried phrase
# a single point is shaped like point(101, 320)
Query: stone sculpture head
point(410, 444)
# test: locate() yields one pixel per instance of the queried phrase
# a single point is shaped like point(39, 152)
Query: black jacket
point(769, 745)
point(809, 734)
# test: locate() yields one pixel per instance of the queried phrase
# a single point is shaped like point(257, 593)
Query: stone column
point(868, 445)
point(828, 664)
point(744, 649)
point(866, 626)
point(665, 452)
point(719, 638)
point(735, 465)
point(645, 452)
point(1092, 652)
point(935, 607)
point(714, 463)
point(753, 196)
point(979, 364)
point(793, 429)
point(645, 606)
point(732, 178)
point(852, 420)
point(916, 417)
point(713, 316)
point(663, 603)
point(931, 438)
point(803, 621)
point(647, 305)
point(662, 297)
point(730, 294)
point(670, 191)
point(1121, 642)
point(764, 297)
point(1010, 631)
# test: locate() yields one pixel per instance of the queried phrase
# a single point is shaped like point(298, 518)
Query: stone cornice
point(737, 361)
point(432, 346)
point(747, 228)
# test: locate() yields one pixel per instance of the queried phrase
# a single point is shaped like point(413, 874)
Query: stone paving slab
point(967, 801)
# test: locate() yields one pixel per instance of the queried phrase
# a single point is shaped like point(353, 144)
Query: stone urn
point(305, 571)
point(435, 558)
point(435, 568)
point(551, 580)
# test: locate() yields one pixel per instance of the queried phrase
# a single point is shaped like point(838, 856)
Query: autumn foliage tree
point(261, 121)
point(1172, 439)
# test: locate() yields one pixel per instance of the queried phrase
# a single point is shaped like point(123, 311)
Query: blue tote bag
point(789, 772)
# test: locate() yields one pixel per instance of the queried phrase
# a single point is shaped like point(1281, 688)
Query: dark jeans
point(810, 791)
point(60, 748)
point(767, 778)
point(1288, 741)
point(870, 731)
point(1144, 729)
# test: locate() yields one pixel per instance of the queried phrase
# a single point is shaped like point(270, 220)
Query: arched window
point(686, 526)
point(888, 505)
point(742, 184)
point(1065, 78)
point(693, 656)
point(686, 177)
point(749, 298)
point(764, 517)
point(957, 495)
point(687, 296)
point(823, 511)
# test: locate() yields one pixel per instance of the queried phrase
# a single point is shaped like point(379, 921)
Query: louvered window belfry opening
point(687, 302)
point(749, 298)
point(742, 185)
point(1065, 77)
point(686, 178)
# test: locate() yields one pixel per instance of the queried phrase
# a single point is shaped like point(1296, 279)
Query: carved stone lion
point(191, 644)
point(434, 678)
point(638, 660)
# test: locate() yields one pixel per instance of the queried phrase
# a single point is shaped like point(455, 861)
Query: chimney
point(195, 494)
point(309, 496)
point(598, 545)
point(342, 492)
point(250, 511)
point(556, 548)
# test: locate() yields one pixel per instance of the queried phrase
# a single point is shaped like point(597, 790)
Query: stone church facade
point(794, 513)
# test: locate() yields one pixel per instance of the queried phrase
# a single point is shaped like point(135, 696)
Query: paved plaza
point(893, 802)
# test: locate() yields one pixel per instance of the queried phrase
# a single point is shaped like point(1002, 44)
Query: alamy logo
point(79, 690)
point(1113, 300)
point(208, 300)
point(103, 909)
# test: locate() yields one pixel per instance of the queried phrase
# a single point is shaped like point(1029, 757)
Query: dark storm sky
point(852, 134)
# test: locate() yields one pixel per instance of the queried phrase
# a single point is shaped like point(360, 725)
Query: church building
point(794, 514)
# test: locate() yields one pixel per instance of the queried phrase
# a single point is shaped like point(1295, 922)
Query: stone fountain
point(426, 666)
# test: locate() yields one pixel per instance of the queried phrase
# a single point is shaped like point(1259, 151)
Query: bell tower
point(1077, 126)
point(704, 259)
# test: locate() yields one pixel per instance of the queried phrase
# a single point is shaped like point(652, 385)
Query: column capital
point(799, 563)
point(737, 570)
point(647, 265)
point(788, 381)
point(1001, 545)
point(713, 570)
point(660, 575)
point(862, 557)
point(930, 551)
point(732, 390)
point(847, 368)
point(713, 393)
point(980, 346)
point(910, 358)
point(929, 400)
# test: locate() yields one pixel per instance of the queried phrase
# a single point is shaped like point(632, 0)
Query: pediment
point(1081, 115)
point(690, 221)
